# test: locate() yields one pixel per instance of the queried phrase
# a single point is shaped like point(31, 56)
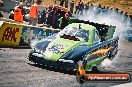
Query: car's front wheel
point(81, 79)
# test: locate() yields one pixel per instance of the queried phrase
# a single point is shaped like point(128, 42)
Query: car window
point(81, 34)
point(71, 31)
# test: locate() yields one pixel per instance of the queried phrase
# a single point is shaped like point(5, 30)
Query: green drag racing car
point(65, 49)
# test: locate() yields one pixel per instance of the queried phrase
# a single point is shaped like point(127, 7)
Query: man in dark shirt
point(61, 2)
point(71, 7)
point(66, 3)
point(64, 21)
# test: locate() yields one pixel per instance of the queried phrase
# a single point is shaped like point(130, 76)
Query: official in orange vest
point(34, 13)
point(18, 13)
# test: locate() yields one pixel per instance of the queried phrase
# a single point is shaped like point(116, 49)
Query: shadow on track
point(55, 69)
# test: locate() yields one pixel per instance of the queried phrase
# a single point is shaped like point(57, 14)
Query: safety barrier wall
point(14, 35)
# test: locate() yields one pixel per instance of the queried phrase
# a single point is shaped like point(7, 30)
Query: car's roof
point(83, 26)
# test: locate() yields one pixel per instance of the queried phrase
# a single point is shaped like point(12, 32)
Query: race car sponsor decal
point(48, 54)
point(116, 77)
point(57, 48)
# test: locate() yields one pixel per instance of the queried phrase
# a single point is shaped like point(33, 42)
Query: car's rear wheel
point(113, 52)
point(94, 69)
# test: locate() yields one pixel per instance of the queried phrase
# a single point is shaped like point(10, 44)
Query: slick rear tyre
point(81, 79)
point(113, 53)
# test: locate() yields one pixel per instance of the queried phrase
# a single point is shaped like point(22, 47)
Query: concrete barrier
point(20, 35)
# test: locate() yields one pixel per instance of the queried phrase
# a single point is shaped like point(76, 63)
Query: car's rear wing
point(103, 30)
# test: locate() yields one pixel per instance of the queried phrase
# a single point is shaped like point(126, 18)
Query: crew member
point(18, 13)
point(34, 12)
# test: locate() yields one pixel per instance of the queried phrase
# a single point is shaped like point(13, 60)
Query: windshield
point(81, 34)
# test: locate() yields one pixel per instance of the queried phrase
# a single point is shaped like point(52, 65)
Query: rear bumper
point(54, 64)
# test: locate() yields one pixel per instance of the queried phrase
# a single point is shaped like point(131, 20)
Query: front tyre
point(81, 79)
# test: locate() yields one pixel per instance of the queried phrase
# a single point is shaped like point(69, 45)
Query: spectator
point(55, 3)
point(64, 21)
point(18, 13)
point(50, 17)
point(87, 6)
point(56, 18)
point(28, 4)
point(34, 12)
point(61, 2)
point(39, 17)
point(81, 8)
point(44, 16)
point(66, 3)
point(71, 7)
point(130, 16)
point(125, 17)
point(77, 7)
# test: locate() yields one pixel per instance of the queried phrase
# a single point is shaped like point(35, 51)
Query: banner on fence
point(10, 34)
point(33, 33)
point(13, 35)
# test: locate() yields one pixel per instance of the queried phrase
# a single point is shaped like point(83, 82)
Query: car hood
point(59, 47)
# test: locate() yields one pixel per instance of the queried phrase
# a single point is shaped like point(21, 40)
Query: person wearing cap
point(34, 13)
point(18, 13)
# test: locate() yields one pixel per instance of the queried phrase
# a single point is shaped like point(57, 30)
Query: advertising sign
point(10, 34)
